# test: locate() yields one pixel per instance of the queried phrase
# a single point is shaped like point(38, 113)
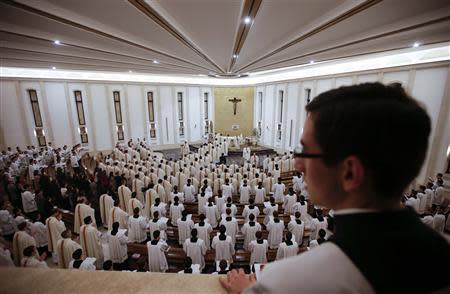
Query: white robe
point(316, 225)
point(21, 240)
point(204, 233)
point(259, 252)
point(224, 248)
point(232, 228)
point(124, 196)
point(212, 214)
point(33, 262)
point(278, 192)
point(227, 191)
point(65, 249)
point(137, 229)
point(137, 186)
point(289, 201)
point(268, 211)
point(39, 232)
point(232, 207)
point(202, 201)
point(81, 211)
point(275, 233)
point(297, 230)
point(196, 251)
point(249, 233)
point(106, 203)
point(54, 229)
point(184, 229)
point(116, 214)
point(247, 211)
point(244, 194)
point(157, 261)
point(189, 192)
point(160, 225)
point(90, 240)
point(285, 251)
point(118, 250)
point(175, 213)
point(132, 204)
point(260, 194)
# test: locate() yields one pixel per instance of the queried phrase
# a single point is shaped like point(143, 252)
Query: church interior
point(153, 145)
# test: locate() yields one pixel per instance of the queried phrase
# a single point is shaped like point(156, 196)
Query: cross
point(235, 102)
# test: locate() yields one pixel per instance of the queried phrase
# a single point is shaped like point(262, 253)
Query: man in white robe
point(275, 228)
point(106, 203)
point(176, 209)
point(133, 203)
point(90, 239)
point(258, 249)
point(117, 243)
point(278, 191)
point(82, 210)
point(158, 224)
point(116, 214)
point(297, 227)
point(65, 248)
point(185, 225)
point(21, 241)
point(204, 230)
point(31, 259)
point(157, 261)
point(136, 187)
point(212, 212)
point(195, 248)
point(244, 192)
point(124, 194)
point(189, 191)
point(249, 230)
point(231, 225)
point(287, 248)
point(223, 245)
point(55, 226)
point(137, 227)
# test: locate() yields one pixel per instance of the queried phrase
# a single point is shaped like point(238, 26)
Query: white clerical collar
point(353, 211)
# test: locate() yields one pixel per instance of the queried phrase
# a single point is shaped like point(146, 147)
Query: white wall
point(428, 84)
point(60, 119)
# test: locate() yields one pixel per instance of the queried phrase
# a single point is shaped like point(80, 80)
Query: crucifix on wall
point(235, 102)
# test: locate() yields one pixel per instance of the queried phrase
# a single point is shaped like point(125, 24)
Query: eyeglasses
point(298, 153)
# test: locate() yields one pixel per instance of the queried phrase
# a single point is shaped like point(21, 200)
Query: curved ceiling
point(203, 37)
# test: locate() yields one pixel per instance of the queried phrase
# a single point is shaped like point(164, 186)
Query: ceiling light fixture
point(155, 61)
point(53, 67)
point(130, 71)
point(57, 42)
point(235, 56)
point(416, 44)
point(311, 62)
point(247, 20)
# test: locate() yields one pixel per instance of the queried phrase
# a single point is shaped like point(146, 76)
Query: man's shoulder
point(308, 271)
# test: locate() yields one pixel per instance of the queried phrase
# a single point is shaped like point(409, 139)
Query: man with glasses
point(355, 161)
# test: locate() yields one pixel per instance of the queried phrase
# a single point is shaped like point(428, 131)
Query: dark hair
point(28, 251)
point(87, 220)
point(115, 228)
point(107, 265)
point(363, 119)
point(77, 254)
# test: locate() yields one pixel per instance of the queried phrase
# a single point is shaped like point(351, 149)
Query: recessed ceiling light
point(130, 71)
point(155, 61)
point(311, 62)
point(235, 56)
point(53, 67)
point(416, 44)
point(57, 42)
point(247, 20)
point(201, 75)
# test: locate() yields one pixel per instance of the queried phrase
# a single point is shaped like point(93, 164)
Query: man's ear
point(352, 173)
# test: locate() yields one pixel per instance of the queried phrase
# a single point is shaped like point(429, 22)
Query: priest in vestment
point(137, 227)
point(65, 248)
point(133, 203)
point(106, 203)
point(82, 210)
point(90, 239)
point(124, 194)
point(55, 226)
point(21, 241)
point(116, 214)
